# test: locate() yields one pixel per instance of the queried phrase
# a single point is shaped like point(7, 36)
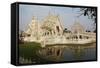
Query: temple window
point(50, 32)
point(57, 27)
point(67, 38)
point(80, 37)
point(87, 37)
point(28, 35)
point(54, 32)
point(47, 33)
point(76, 37)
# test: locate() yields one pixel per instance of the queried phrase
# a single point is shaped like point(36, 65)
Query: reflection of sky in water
point(86, 54)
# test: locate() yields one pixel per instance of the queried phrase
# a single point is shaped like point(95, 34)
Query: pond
point(62, 53)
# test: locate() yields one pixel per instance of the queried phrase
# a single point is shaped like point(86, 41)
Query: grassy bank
point(28, 50)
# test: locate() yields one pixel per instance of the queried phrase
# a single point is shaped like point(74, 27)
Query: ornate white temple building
point(51, 31)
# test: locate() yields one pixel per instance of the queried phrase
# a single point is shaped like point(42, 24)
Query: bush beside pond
point(28, 50)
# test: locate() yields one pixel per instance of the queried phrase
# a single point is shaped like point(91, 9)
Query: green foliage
point(28, 50)
point(91, 13)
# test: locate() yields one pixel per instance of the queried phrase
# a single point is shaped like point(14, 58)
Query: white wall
point(5, 34)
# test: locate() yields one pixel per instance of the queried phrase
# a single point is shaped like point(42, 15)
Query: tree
point(88, 31)
point(66, 31)
point(91, 13)
point(21, 37)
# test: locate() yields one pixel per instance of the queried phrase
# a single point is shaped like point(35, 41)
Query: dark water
point(60, 53)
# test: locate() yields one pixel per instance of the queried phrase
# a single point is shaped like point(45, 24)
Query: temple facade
point(51, 31)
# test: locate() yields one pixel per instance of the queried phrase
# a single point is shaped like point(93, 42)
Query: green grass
point(28, 50)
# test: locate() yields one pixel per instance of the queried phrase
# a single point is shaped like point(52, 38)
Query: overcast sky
point(67, 15)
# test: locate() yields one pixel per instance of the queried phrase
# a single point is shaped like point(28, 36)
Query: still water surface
point(60, 53)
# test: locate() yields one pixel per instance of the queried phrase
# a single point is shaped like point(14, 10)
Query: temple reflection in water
point(67, 52)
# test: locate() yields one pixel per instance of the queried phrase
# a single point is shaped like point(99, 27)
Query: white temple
point(51, 31)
